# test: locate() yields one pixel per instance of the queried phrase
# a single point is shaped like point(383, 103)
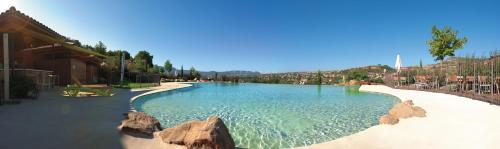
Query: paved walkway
point(54, 121)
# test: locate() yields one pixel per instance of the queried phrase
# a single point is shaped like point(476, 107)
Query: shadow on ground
point(53, 121)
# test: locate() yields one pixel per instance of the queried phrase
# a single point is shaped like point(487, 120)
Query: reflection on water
point(318, 90)
point(353, 90)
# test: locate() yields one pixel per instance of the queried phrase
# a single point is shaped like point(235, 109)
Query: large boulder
point(406, 110)
point(402, 110)
point(408, 102)
point(208, 134)
point(418, 111)
point(140, 124)
point(388, 119)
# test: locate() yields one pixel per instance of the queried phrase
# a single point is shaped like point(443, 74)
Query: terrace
point(470, 76)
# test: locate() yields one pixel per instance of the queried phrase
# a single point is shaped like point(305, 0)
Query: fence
point(135, 77)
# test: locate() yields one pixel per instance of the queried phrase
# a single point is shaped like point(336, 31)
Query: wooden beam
point(39, 48)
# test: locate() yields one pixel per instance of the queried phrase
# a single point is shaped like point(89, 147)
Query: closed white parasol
point(398, 63)
point(398, 67)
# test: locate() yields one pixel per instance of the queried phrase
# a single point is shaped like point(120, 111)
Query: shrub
point(23, 87)
point(98, 91)
point(378, 80)
point(72, 90)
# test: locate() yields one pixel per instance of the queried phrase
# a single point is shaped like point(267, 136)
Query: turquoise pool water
point(271, 116)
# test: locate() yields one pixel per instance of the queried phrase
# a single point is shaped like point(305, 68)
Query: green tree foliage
point(88, 47)
point(168, 66)
point(421, 64)
point(100, 48)
point(444, 42)
point(140, 64)
point(161, 69)
point(113, 59)
point(157, 69)
point(118, 53)
point(193, 73)
point(112, 63)
point(356, 74)
point(145, 57)
point(388, 68)
point(131, 66)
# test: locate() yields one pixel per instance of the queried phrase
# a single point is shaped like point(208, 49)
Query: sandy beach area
point(452, 122)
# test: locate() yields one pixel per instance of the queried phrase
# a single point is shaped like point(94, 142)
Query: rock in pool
point(388, 119)
point(140, 124)
point(208, 134)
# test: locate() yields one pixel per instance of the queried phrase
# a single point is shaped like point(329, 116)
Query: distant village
point(372, 73)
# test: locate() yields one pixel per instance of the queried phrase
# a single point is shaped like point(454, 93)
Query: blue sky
point(270, 36)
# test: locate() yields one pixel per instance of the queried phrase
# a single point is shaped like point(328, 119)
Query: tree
point(356, 74)
point(119, 53)
point(88, 47)
point(444, 43)
point(168, 66)
point(318, 77)
point(161, 69)
point(131, 66)
point(146, 57)
point(100, 48)
point(421, 65)
point(192, 72)
point(182, 72)
point(140, 64)
point(157, 69)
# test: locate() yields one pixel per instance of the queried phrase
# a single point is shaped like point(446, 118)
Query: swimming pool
point(271, 115)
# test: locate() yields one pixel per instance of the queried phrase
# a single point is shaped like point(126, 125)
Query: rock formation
point(405, 109)
point(140, 124)
point(388, 119)
point(208, 134)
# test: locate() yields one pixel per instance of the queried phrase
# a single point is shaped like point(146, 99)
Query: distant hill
point(240, 73)
point(371, 68)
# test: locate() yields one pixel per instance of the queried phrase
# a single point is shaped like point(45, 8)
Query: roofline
point(83, 50)
point(59, 38)
point(13, 11)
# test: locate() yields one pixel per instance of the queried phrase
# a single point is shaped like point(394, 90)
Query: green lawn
point(133, 85)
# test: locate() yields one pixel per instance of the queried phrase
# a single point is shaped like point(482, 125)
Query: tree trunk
point(440, 74)
point(492, 79)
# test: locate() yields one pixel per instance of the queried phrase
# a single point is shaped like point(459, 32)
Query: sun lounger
point(484, 86)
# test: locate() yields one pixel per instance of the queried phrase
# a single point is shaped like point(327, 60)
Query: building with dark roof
point(34, 46)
